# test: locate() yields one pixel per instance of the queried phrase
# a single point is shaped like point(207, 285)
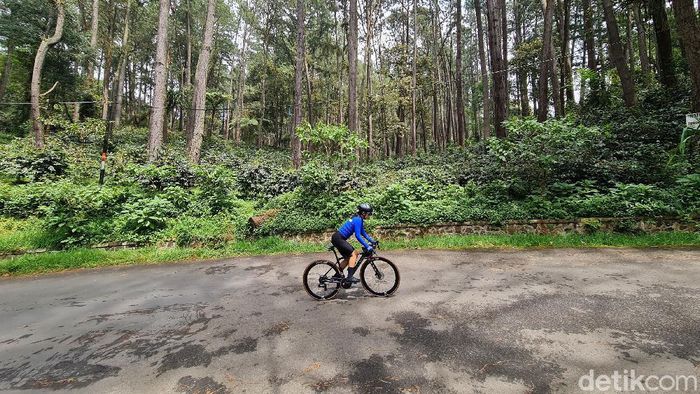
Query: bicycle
point(378, 275)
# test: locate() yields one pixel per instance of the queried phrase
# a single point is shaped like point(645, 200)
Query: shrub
point(212, 231)
point(141, 218)
point(27, 164)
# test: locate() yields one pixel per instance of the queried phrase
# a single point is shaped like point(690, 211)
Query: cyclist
point(354, 225)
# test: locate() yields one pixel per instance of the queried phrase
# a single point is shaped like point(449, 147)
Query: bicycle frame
point(363, 256)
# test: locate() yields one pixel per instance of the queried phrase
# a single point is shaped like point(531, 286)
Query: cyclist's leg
point(352, 265)
point(352, 260)
point(346, 250)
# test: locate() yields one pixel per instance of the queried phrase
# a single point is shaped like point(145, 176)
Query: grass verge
point(91, 258)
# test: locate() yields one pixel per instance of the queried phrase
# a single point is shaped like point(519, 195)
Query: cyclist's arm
point(364, 234)
point(359, 230)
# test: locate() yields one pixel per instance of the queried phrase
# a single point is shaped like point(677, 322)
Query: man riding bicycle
point(354, 225)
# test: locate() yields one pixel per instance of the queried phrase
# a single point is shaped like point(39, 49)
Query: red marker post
point(103, 165)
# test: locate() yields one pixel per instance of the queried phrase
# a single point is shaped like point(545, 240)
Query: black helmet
point(364, 208)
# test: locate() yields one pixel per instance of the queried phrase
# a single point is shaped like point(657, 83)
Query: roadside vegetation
point(82, 258)
point(554, 170)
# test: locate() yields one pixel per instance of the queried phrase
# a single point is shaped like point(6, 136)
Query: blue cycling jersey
point(357, 226)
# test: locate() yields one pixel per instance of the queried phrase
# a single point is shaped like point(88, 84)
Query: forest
point(203, 113)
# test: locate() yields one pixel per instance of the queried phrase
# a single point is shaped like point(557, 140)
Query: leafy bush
point(81, 215)
point(143, 217)
point(264, 181)
point(25, 164)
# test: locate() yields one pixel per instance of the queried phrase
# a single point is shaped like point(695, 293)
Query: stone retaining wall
point(577, 226)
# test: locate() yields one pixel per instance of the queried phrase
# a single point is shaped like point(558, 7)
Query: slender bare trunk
point(298, 75)
point(545, 62)
point(188, 60)
point(241, 87)
point(37, 124)
point(664, 44)
point(107, 73)
point(122, 67)
point(617, 55)
point(458, 76)
point(521, 72)
point(196, 129)
point(499, 72)
point(93, 38)
point(414, 140)
point(689, 31)
point(368, 63)
point(484, 72)
point(641, 39)
point(155, 135)
point(567, 91)
point(352, 64)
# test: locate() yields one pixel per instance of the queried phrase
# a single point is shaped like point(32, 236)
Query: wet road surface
point(476, 321)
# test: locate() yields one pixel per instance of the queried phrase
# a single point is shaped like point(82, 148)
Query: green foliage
point(190, 231)
point(80, 215)
point(24, 164)
point(337, 141)
point(144, 216)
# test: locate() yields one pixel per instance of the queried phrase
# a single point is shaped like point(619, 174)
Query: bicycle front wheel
point(380, 276)
point(319, 281)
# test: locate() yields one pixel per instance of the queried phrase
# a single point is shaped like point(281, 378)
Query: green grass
point(22, 235)
point(91, 258)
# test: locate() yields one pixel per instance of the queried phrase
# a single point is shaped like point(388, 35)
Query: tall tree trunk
point(188, 60)
point(567, 93)
point(546, 61)
point(617, 56)
point(107, 73)
point(664, 45)
point(241, 86)
point(629, 51)
point(263, 82)
point(298, 76)
point(557, 97)
point(35, 89)
point(458, 76)
point(447, 65)
point(122, 67)
point(641, 39)
point(368, 61)
point(503, 13)
point(196, 132)
point(414, 140)
point(155, 133)
point(522, 72)
point(352, 62)
point(93, 38)
point(309, 93)
point(338, 63)
point(226, 128)
point(588, 35)
point(7, 69)
point(498, 70)
point(689, 31)
point(484, 72)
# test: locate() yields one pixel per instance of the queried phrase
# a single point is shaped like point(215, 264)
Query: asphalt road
point(478, 321)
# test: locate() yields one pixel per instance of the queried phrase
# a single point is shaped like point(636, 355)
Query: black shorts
point(342, 245)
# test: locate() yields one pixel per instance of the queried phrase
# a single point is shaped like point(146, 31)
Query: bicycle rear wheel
point(380, 276)
point(318, 280)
